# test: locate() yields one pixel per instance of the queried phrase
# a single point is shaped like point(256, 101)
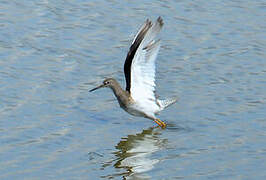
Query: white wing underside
point(143, 70)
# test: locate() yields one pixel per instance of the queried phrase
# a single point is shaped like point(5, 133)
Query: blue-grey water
point(213, 57)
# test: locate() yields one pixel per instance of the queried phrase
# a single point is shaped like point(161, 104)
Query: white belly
point(143, 111)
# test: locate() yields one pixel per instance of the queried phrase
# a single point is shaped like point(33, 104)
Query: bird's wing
point(132, 51)
point(142, 74)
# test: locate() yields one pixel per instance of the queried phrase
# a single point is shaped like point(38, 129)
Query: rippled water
point(212, 57)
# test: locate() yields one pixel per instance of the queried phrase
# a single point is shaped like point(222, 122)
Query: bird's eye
point(107, 82)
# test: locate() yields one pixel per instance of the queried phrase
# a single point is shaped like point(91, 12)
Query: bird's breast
point(133, 110)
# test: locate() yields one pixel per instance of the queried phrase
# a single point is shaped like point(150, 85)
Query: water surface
point(212, 57)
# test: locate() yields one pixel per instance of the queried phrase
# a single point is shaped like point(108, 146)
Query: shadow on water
point(134, 154)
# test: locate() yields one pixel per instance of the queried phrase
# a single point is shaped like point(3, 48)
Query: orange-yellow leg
point(160, 123)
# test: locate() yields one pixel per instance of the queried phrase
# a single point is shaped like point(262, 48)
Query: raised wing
point(132, 51)
point(142, 71)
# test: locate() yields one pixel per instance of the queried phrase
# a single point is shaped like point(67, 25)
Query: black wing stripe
point(132, 52)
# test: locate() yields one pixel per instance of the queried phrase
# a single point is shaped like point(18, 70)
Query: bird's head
point(109, 82)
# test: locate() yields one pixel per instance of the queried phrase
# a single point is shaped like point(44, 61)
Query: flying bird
point(139, 98)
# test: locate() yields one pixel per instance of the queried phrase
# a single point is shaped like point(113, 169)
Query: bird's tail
point(167, 102)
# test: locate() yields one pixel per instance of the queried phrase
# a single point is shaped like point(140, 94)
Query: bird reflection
point(134, 153)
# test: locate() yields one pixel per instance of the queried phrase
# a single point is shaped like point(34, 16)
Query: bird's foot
point(160, 123)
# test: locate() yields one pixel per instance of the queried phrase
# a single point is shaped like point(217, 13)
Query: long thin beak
point(98, 87)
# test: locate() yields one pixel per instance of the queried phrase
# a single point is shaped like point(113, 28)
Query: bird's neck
point(121, 95)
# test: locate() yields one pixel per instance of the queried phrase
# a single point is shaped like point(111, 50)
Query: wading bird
point(139, 97)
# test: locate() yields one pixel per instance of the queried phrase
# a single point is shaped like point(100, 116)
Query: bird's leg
point(160, 123)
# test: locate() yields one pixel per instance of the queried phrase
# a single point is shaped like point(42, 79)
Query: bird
point(139, 98)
